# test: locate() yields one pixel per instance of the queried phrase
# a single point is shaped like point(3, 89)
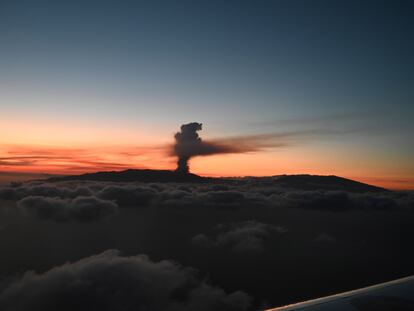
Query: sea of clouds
point(237, 245)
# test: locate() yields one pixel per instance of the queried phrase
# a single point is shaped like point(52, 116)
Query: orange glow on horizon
point(290, 163)
point(55, 147)
point(62, 161)
point(69, 161)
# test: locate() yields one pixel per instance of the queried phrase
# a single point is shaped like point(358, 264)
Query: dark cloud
point(248, 251)
point(7, 193)
point(128, 194)
point(328, 200)
point(247, 236)
point(232, 198)
point(189, 144)
point(15, 162)
point(109, 281)
point(342, 200)
point(21, 190)
point(83, 209)
point(72, 160)
point(230, 193)
point(6, 177)
point(325, 238)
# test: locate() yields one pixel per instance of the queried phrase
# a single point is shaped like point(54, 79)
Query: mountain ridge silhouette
point(291, 182)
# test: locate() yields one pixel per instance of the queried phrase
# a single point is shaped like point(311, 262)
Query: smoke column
point(187, 144)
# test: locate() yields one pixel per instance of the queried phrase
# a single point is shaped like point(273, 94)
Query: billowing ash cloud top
point(189, 144)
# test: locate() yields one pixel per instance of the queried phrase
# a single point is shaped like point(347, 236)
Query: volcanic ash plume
point(187, 144)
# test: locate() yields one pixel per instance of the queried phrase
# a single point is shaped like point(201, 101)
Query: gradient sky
point(98, 85)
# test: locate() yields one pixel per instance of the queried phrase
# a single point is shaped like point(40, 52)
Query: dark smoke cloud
point(109, 281)
point(189, 144)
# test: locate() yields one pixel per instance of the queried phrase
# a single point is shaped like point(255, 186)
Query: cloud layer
point(109, 281)
point(231, 193)
point(248, 234)
point(83, 209)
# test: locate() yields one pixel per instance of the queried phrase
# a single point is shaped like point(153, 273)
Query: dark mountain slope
point(291, 182)
point(134, 175)
point(331, 182)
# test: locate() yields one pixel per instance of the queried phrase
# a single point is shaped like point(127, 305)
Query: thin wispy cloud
point(73, 160)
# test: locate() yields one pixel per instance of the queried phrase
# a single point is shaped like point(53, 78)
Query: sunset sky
point(104, 85)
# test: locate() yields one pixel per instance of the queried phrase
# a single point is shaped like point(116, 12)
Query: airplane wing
point(397, 295)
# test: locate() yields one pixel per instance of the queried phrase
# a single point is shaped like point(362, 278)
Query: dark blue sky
point(238, 66)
